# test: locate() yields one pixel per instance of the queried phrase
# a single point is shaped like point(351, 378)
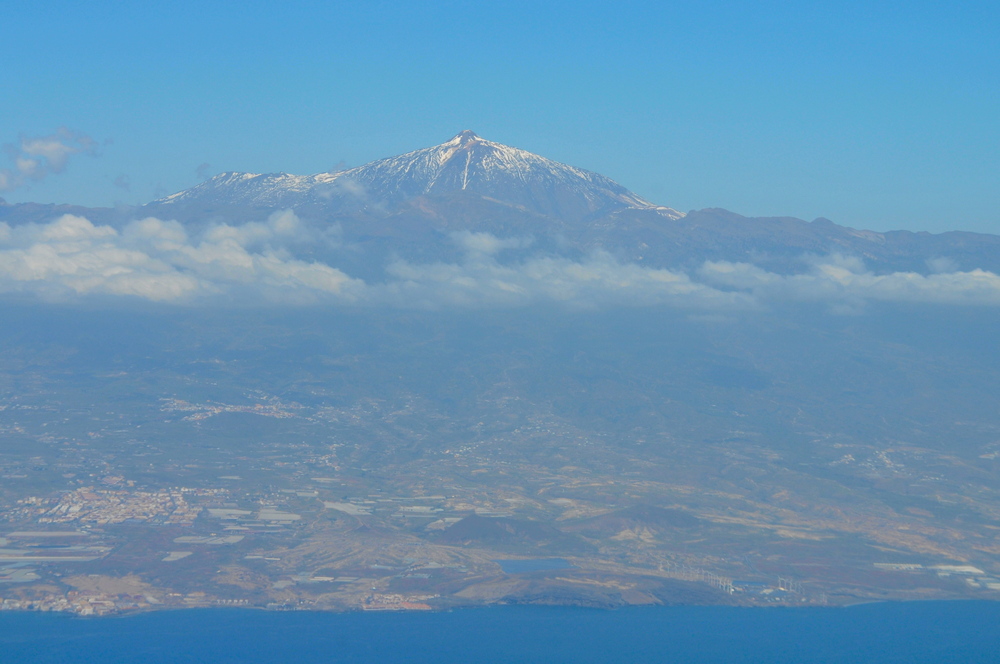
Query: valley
point(360, 463)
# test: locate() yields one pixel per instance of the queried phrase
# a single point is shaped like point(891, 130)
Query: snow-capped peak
point(464, 163)
point(464, 137)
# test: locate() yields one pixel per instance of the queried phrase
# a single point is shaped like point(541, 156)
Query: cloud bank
point(157, 260)
point(846, 283)
point(160, 261)
point(36, 157)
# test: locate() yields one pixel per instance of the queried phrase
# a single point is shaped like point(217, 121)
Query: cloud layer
point(157, 260)
point(847, 284)
point(36, 157)
point(161, 261)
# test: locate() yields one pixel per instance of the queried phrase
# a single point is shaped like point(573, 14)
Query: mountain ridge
point(411, 207)
point(465, 163)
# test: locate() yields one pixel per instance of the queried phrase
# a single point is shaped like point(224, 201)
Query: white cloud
point(157, 260)
point(942, 265)
point(343, 186)
point(160, 260)
point(281, 228)
point(485, 243)
point(847, 284)
point(599, 280)
point(36, 157)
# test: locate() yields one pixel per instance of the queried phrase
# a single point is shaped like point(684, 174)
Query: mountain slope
point(470, 163)
point(466, 164)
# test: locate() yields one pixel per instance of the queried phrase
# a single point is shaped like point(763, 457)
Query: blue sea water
point(938, 632)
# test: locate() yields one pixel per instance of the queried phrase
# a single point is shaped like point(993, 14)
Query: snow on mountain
point(466, 163)
point(253, 189)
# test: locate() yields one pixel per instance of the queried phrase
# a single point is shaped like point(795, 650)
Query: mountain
point(412, 205)
point(465, 164)
point(409, 205)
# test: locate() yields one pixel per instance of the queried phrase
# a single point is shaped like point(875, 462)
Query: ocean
point(938, 632)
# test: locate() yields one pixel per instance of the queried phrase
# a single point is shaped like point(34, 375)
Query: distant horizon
point(341, 167)
point(874, 117)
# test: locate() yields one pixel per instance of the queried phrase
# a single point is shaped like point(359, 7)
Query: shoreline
point(143, 610)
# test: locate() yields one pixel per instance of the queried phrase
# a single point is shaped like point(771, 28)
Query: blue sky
point(884, 116)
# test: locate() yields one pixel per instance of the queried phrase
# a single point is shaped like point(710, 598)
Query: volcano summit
point(466, 164)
